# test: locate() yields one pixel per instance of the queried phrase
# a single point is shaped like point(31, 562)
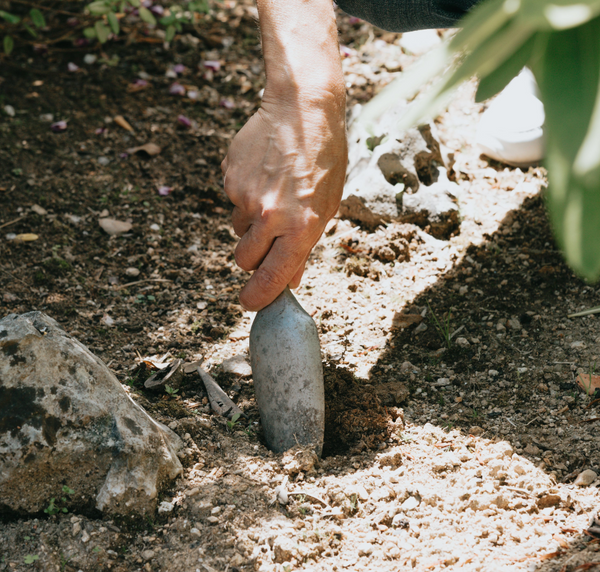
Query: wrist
point(300, 48)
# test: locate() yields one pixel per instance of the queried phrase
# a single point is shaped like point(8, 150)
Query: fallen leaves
point(150, 149)
point(588, 382)
point(114, 227)
point(122, 122)
point(26, 237)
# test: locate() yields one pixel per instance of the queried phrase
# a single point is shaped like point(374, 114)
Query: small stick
point(12, 221)
point(143, 281)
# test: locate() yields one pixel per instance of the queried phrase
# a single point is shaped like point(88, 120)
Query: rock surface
point(65, 420)
point(395, 175)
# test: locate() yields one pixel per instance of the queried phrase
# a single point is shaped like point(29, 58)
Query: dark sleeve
point(408, 15)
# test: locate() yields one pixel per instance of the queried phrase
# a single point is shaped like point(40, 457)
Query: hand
point(284, 172)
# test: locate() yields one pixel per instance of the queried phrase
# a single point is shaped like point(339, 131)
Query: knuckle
point(269, 279)
point(242, 259)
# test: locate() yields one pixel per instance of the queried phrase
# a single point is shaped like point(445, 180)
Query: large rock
point(65, 421)
point(395, 175)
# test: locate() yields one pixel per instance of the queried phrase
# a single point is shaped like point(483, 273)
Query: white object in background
point(511, 129)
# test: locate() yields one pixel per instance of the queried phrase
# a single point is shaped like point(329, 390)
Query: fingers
point(295, 281)
point(274, 274)
point(253, 247)
point(241, 222)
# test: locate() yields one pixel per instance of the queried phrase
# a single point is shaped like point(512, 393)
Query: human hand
point(284, 172)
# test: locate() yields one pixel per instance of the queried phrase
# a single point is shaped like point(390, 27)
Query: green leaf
point(134, 3)
point(102, 32)
point(98, 8)
point(168, 20)
point(498, 79)
point(31, 558)
point(37, 18)
point(10, 18)
point(568, 77)
point(30, 30)
point(9, 44)
point(113, 22)
point(147, 16)
point(170, 33)
point(89, 33)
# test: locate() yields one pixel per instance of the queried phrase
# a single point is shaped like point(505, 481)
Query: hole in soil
point(353, 413)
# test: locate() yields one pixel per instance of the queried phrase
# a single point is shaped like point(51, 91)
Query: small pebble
point(132, 272)
point(585, 478)
point(165, 507)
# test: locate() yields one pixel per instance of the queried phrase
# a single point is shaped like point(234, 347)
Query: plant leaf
point(9, 44)
point(568, 78)
point(102, 32)
point(147, 16)
point(170, 33)
point(10, 18)
point(37, 18)
point(89, 33)
point(113, 22)
point(98, 8)
point(30, 30)
point(494, 82)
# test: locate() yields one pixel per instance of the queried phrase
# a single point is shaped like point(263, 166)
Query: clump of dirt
point(354, 415)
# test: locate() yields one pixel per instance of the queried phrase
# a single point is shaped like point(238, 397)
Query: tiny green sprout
point(27, 538)
point(442, 327)
point(67, 490)
point(96, 549)
point(171, 390)
point(30, 558)
point(234, 421)
point(52, 509)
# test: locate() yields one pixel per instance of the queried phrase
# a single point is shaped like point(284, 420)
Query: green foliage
point(31, 558)
point(235, 419)
point(55, 507)
point(442, 326)
point(171, 390)
point(559, 40)
point(101, 19)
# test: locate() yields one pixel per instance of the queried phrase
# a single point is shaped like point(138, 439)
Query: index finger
point(275, 272)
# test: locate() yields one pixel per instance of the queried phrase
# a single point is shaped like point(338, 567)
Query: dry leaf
point(114, 227)
point(406, 320)
point(27, 237)
point(122, 122)
point(589, 383)
point(149, 148)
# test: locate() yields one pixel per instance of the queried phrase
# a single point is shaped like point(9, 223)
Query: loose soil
point(455, 428)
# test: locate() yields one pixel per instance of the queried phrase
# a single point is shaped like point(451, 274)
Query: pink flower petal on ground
point(213, 65)
point(158, 10)
point(123, 156)
point(227, 104)
point(179, 68)
point(100, 130)
point(59, 126)
point(354, 20)
point(193, 94)
point(72, 67)
point(183, 120)
point(164, 191)
point(346, 51)
point(177, 89)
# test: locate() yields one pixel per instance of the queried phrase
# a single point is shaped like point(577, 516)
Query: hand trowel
point(288, 375)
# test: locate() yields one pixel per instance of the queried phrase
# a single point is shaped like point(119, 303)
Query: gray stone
point(585, 478)
point(238, 366)
point(66, 420)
